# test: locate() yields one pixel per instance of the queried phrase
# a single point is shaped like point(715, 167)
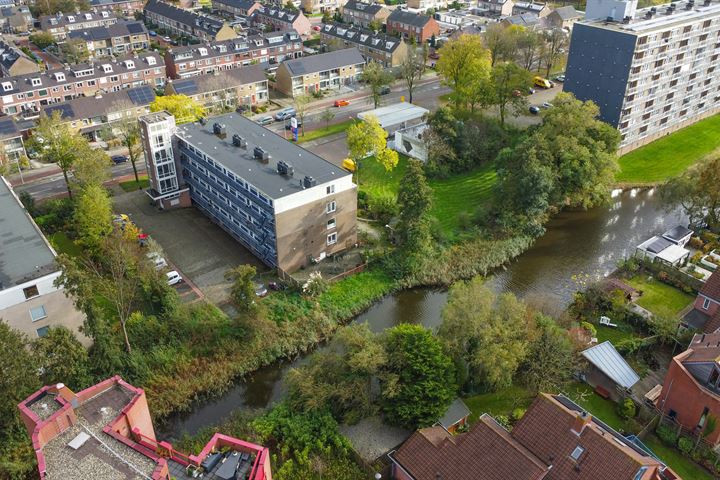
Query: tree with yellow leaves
point(368, 139)
point(464, 65)
point(182, 107)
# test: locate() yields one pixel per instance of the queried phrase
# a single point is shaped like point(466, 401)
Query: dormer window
point(202, 51)
point(71, 19)
point(7, 86)
point(222, 48)
point(151, 60)
point(60, 76)
point(35, 82)
point(105, 14)
point(107, 68)
point(88, 16)
point(129, 64)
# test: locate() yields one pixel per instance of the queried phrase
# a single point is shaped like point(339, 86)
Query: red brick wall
point(712, 308)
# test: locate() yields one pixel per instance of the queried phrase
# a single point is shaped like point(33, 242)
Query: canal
point(579, 246)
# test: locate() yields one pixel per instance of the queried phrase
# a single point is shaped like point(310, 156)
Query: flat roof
point(683, 13)
point(24, 253)
point(395, 114)
point(242, 163)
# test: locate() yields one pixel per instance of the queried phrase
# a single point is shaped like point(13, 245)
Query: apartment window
point(331, 207)
point(43, 331)
point(38, 313)
point(643, 129)
point(706, 304)
point(331, 224)
point(31, 291)
point(332, 238)
point(575, 455)
point(330, 189)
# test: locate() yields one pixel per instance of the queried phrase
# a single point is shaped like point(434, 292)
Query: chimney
point(581, 421)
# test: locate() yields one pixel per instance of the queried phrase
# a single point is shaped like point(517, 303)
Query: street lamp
point(378, 476)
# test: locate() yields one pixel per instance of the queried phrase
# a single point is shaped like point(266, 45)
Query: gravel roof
point(371, 438)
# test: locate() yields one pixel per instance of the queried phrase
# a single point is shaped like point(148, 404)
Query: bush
point(666, 435)
point(626, 409)
point(382, 209)
point(696, 243)
point(517, 414)
point(590, 328)
point(685, 444)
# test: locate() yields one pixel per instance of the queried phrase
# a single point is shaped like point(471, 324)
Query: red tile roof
point(711, 289)
point(713, 323)
point(487, 452)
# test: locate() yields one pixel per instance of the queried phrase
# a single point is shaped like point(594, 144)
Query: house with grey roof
point(117, 39)
point(564, 17)
point(496, 8)
point(61, 24)
point(538, 9)
point(410, 25)
point(11, 141)
point(359, 13)
point(14, 62)
point(240, 8)
point(126, 7)
point(527, 20)
point(385, 49)
point(276, 18)
point(15, 19)
point(186, 22)
point(326, 71)
point(29, 299)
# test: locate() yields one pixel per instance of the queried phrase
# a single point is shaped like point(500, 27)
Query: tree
point(507, 86)
point(327, 116)
point(528, 48)
point(501, 41)
point(412, 69)
point(326, 17)
point(549, 364)
point(128, 132)
point(242, 291)
point(485, 333)
point(555, 43)
point(62, 358)
point(55, 142)
point(464, 65)
point(289, 5)
point(42, 40)
point(93, 216)
point(18, 376)
point(419, 382)
point(376, 77)
point(697, 192)
point(375, 25)
point(74, 50)
point(302, 103)
point(368, 139)
point(182, 107)
point(91, 167)
point(413, 228)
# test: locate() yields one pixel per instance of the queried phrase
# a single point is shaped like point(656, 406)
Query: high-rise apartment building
point(651, 71)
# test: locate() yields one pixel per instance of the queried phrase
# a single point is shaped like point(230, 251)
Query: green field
point(502, 402)
point(132, 185)
point(324, 132)
point(62, 244)
point(670, 155)
point(451, 197)
point(658, 297)
point(683, 466)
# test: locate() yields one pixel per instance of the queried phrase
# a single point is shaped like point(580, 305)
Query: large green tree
point(93, 216)
point(62, 358)
point(185, 109)
point(412, 69)
point(697, 191)
point(91, 167)
point(414, 201)
point(507, 87)
point(419, 378)
point(550, 363)
point(376, 77)
point(464, 66)
point(242, 290)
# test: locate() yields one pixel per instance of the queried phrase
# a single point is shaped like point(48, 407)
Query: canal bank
point(579, 246)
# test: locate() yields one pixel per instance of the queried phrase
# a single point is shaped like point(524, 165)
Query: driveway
point(200, 250)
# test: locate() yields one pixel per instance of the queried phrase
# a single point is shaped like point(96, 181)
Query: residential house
point(267, 48)
point(15, 19)
point(497, 8)
point(281, 19)
point(387, 50)
point(555, 440)
point(540, 10)
point(357, 12)
point(117, 39)
point(286, 205)
point(91, 115)
point(563, 17)
point(14, 62)
point(27, 94)
point(126, 7)
point(525, 20)
point(705, 313)
point(244, 87)
point(668, 248)
point(314, 7)
point(60, 24)
point(424, 5)
point(239, 8)
point(106, 431)
point(691, 389)
point(12, 148)
point(608, 372)
point(179, 21)
point(306, 75)
point(30, 301)
point(412, 26)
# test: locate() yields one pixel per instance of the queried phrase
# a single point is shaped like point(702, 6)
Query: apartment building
point(61, 24)
point(651, 71)
point(15, 62)
point(27, 94)
point(357, 12)
point(29, 300)
point(106, 432)
point(387, 50)
point(179, 21)
point(275, 18)
point(239, 87)
point(315, 7)
point(271, 48)
point(288, 206)
point(117, 39)
point(239, 8)
point(126, 7)
point(319, 72)
point(412, 26)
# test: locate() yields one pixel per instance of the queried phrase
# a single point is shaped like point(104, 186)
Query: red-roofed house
point(691, 389)
point(705, 314)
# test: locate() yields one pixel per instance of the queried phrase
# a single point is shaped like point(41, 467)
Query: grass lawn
point(62, 244)
point(451, 197)
point(604, 410)
point(502, 402)
point(660, 298)
point(683, 466)
point(132, 185)
point(324, 132)
point(623, 331)
point(670, 155)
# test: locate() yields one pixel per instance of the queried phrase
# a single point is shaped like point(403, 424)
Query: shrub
point(626, 409)
point(382, 209)
point(685, 444)
point(517, 414)
point(696, 243)
point(590, 328)
point(315, 285)
point(666, 435)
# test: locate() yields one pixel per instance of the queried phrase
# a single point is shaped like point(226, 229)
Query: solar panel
point(136, 27)
point(141, 95)
point(7, 126)
point(65, 110)
point(186, 86)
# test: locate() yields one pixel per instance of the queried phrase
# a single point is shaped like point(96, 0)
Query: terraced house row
point(387, 50)
point(186, 22)
point(27, 94)
point(60, 25)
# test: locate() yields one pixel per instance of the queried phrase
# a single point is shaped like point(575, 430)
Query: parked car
point(531, 91)
point(152, 33)
point(316, 28)
point(342, 103)
point(266, 120)
point(260, 290)
point(284, 114)
point(546, 105)
point(157, 260)
point(118, 159)
point(560, 78)
point(534, 110)
point(385, 90)
point(167, 39)
point(173, 278)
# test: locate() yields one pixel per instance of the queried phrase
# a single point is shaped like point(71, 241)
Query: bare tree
point(302, 102)
point(327, 116)
point(128, 132)
point(555, 43)
point(412, 69)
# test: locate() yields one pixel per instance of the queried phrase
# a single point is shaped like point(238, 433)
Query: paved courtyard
point(200, 250)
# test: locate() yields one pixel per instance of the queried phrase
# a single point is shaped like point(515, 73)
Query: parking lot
point(200, 250)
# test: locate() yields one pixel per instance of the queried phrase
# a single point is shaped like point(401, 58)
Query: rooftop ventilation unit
point(219, 130)
point(285, 168)
point(707, 2)
point(309, 182)
point(239, 141)
point(261, 155)
point(627, 19)
point(609, 19)
point(648, 14)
